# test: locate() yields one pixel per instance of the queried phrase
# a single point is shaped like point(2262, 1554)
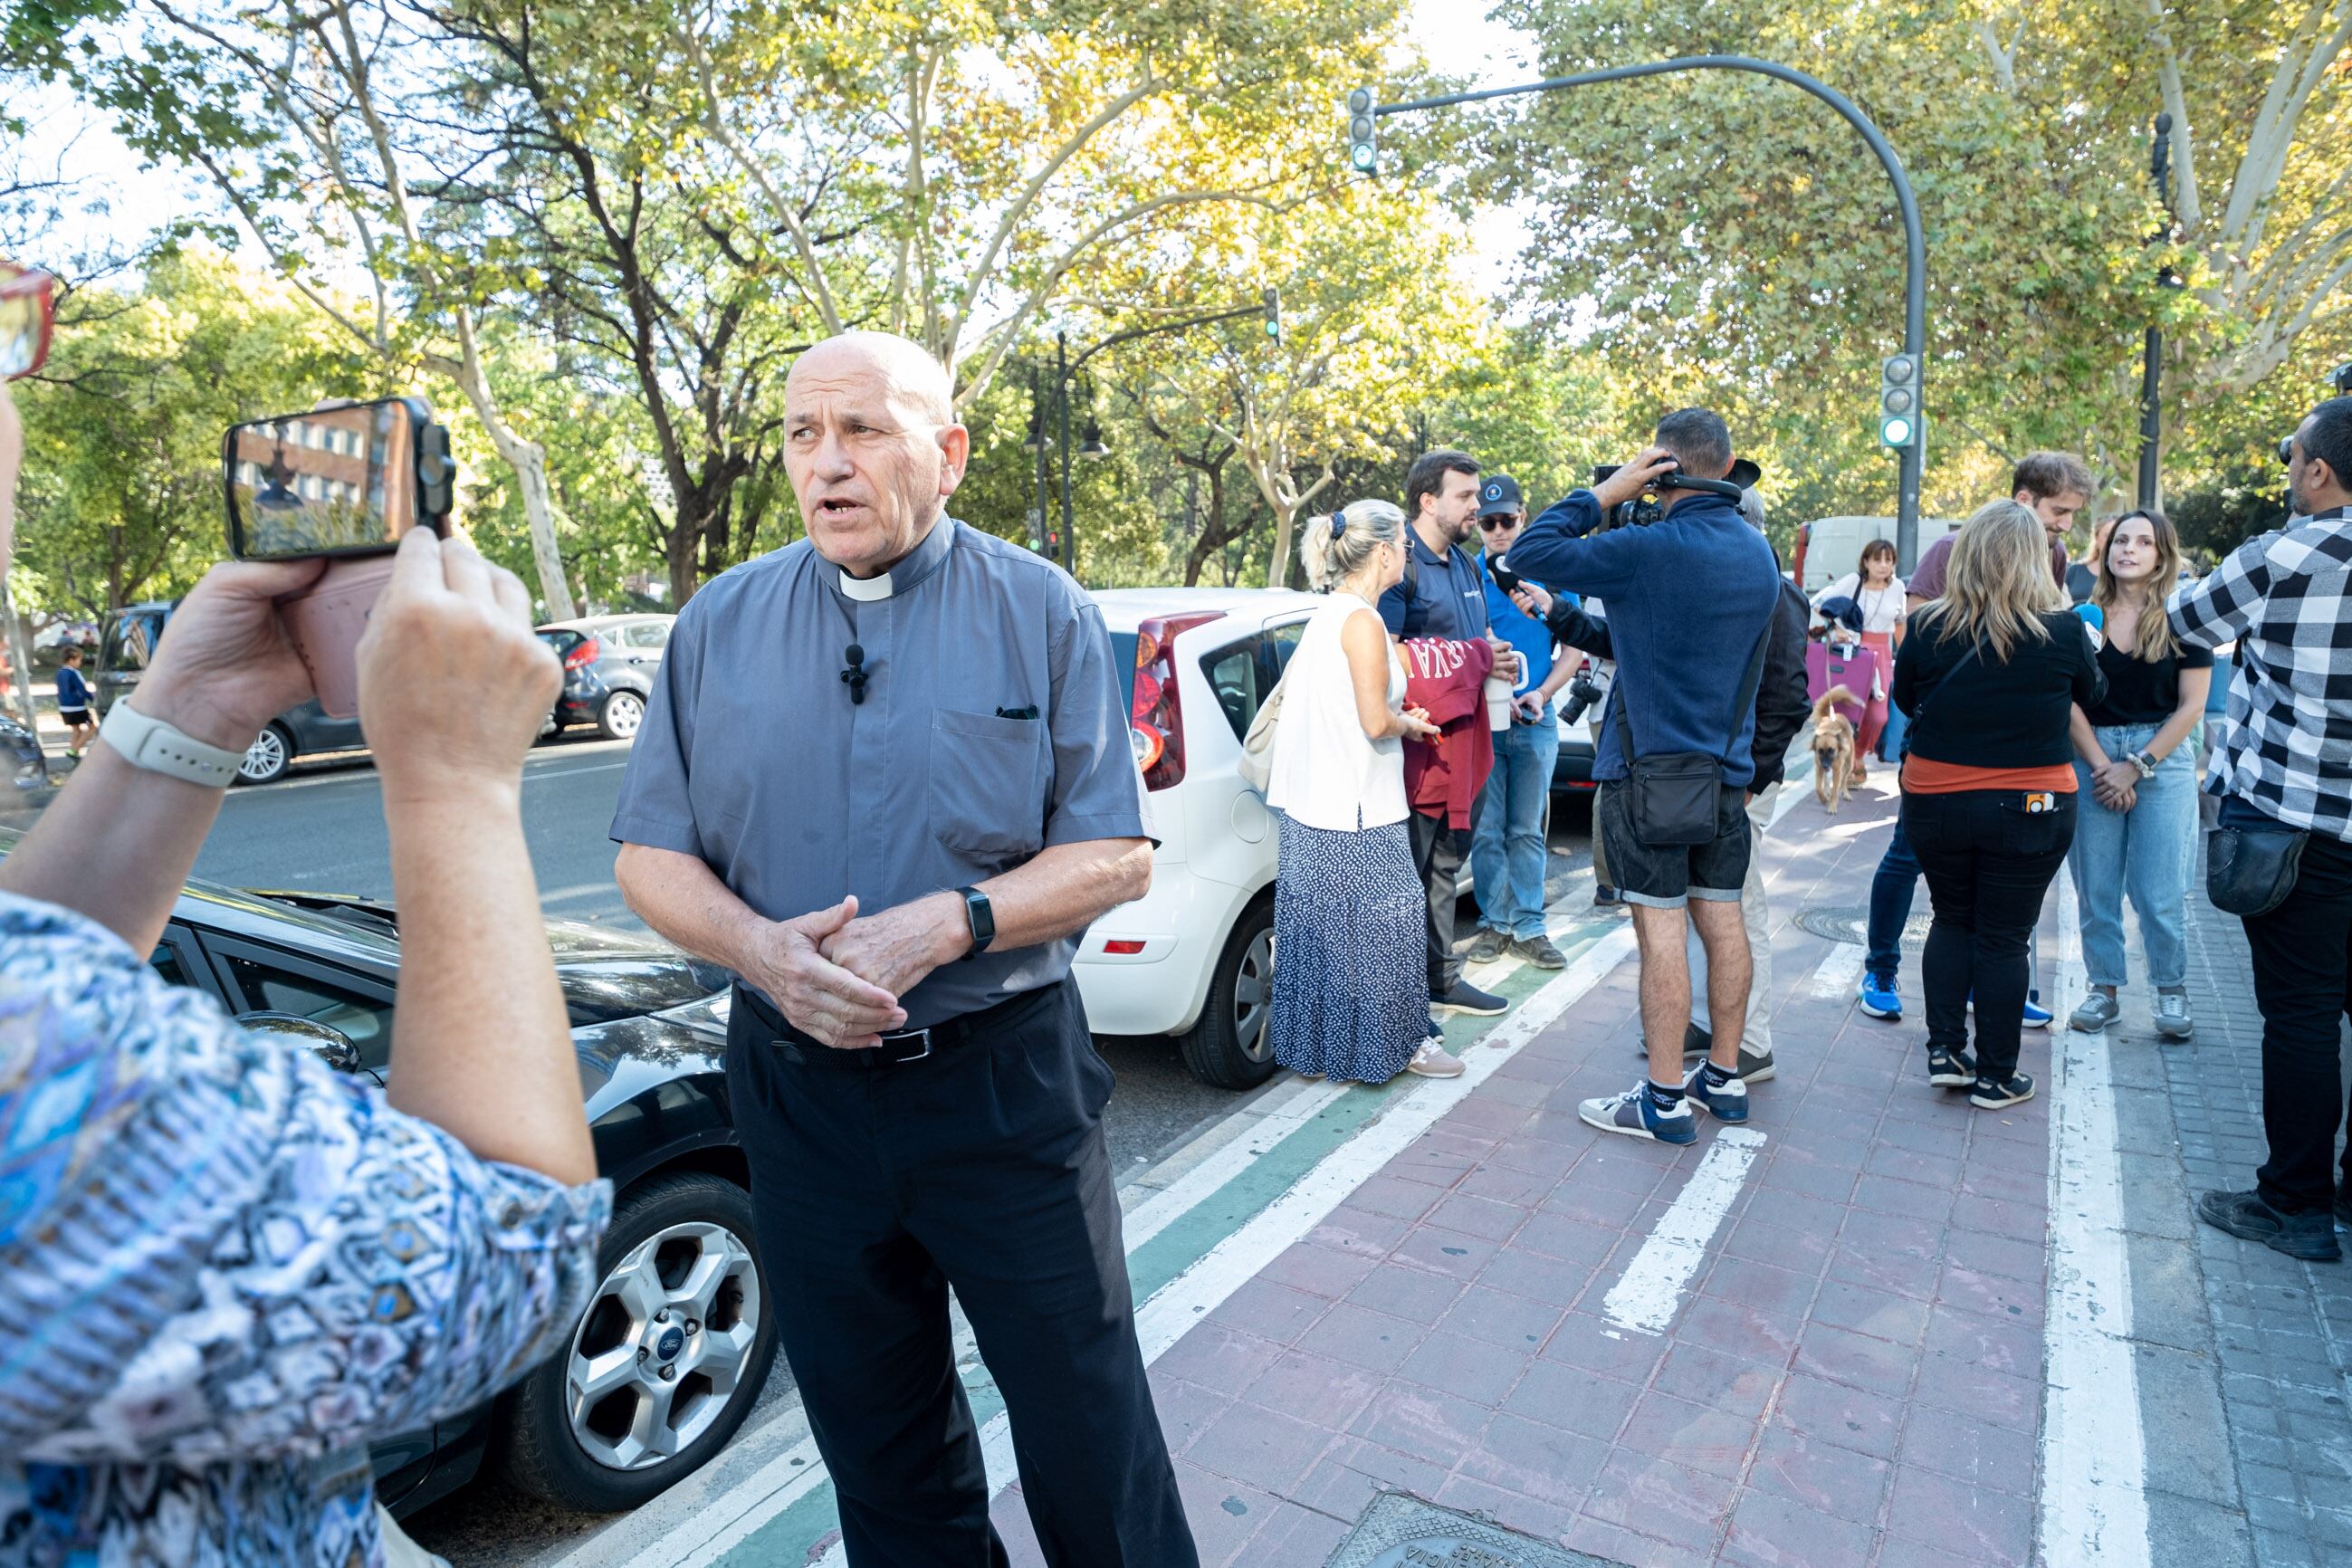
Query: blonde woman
point(2138, 833)
point(1989, 676)
point(1350, 991)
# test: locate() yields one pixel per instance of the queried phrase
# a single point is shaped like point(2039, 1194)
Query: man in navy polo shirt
point(1507, 853)
point(1444, 594)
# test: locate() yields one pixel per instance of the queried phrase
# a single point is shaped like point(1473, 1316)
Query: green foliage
point(121, 494)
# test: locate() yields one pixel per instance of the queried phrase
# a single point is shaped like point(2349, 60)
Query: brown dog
point(1833, 754)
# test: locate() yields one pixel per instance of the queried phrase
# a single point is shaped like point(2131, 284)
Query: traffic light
point(1898, 401)
point(1363, 132)
point(1274, 315)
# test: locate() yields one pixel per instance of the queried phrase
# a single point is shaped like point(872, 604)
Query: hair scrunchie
point(1339, 523)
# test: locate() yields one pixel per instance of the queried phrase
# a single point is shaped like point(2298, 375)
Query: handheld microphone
point(855, 675)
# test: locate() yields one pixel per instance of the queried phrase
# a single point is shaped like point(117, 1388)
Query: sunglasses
point(1500, 519)
point(28, 316)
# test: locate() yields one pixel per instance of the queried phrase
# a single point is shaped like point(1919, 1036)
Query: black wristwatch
point(983, 918)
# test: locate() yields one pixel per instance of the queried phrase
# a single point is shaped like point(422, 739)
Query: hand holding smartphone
point(346, 482)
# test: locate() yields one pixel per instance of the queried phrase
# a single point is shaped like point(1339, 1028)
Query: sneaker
point(2037, 1016)
point(1728, 1104)
point(1605, 897)
point(2172, 1020)
point(1879, 997)
point(1996, 1094)
point(1755, 1067)
point(2310, 1236)
point(1432, 1061)
point(1636, 1115)
point(1467, 998)
point(2097, 1011)
point(1951, 1069)
point(1539, 951)
point(1696, 1042)
point(1488, 946)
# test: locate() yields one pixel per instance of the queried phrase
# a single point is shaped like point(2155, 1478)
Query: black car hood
point(610, 974)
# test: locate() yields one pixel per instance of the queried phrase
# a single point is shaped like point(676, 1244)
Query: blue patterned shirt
point(225, 1268)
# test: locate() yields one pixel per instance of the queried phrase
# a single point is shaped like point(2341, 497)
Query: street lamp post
point(1363, 155)
point(2151, 406)
point(1066, 369)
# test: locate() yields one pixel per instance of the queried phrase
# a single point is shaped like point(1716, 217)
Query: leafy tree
point(121, 494)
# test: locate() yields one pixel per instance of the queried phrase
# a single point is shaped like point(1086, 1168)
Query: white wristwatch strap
point(151, 743)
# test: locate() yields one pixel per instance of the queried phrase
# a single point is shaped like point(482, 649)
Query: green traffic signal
point(1898, 401)
point(1363, 132)
point(1895, 430)
point(1273, 315)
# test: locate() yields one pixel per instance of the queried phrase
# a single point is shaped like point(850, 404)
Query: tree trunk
point(529, 460)
point(20, 658)
point(1277, 565)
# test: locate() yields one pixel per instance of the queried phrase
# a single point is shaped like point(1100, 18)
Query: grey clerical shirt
point(992, 726)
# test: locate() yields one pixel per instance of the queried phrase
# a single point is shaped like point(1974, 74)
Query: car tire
point(662, 1232)
point(266, 760)
point(1232, 1046)
point(618, 716)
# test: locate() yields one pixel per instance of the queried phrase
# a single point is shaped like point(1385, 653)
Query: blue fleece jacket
point(1687, 598)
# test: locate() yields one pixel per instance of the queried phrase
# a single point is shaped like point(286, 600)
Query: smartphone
point(347, 481)
point(28, 316)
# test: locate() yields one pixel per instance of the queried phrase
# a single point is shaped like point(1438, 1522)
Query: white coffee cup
point(1498, 702)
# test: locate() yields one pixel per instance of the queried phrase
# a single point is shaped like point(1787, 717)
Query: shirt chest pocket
point(987, 793)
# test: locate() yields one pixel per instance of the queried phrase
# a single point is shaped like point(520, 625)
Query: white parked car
point(1194, 957)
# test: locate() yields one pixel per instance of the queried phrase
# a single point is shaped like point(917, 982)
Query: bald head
point(872, 446)
point(902, 365)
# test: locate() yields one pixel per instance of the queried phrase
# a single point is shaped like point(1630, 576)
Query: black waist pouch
point(1672, 799)
point(2250, 871)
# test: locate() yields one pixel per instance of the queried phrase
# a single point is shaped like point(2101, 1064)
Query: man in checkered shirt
point(2285, 765)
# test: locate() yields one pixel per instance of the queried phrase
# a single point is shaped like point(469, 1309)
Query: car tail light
point(586, 654)
point(1156, 718)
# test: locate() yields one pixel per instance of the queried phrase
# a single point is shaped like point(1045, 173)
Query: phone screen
point(333, 481)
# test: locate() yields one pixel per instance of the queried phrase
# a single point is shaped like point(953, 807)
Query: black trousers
point(1438, 853)
point(1989, 858)
point(982, 1168)
point(2302, 984)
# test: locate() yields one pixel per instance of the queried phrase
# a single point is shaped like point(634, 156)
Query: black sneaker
point(1696, 1042)
point(1605, 897)
point(1951, 1069)
point(2310, 1236)
point(1995, 1094)
point(1467, 998)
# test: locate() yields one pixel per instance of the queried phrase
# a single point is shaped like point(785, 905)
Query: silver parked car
point(624, 654)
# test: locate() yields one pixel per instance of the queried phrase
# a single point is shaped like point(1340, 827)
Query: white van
point(1830, 547)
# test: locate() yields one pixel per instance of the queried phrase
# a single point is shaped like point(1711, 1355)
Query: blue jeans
point(2145, 852)
point(1891, 891)
point(1508, 856)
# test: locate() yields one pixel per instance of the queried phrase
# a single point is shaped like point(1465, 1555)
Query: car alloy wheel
point(267, 758)
point(621, 714)
point(664, 1346)
point(1253, 998)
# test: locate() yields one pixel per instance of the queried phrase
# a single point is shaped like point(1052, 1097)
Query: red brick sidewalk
point(1853, 1377)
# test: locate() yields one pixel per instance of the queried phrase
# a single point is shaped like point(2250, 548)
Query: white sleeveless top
point(1327, 773)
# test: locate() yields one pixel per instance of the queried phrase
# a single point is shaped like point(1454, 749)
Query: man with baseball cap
point(1508, 856)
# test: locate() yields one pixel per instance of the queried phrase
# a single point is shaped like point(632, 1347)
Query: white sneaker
point(1433, 1061)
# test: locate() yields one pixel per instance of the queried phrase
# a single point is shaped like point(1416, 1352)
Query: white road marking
point(1839, 971)
point(1226, 1268)
point(2094, 1457)
point(1646, 1297)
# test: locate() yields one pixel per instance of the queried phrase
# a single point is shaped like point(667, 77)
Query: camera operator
point(1780, 711)
point(226, 1267)
point(1675, 763)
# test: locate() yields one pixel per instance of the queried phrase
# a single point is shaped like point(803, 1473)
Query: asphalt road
point(321, 830)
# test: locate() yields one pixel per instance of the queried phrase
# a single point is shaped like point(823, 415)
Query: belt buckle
point(894, 1051)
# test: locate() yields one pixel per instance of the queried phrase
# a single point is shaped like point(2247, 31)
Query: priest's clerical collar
point(911, 568)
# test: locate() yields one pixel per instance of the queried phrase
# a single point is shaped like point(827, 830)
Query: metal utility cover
point(1402, 1532)
point(1853, 925)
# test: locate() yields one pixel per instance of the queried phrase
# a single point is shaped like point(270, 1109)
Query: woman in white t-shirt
point(1350, 991)
point(1878, 593)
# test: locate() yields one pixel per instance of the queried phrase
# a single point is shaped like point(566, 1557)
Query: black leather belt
point(903, 1048)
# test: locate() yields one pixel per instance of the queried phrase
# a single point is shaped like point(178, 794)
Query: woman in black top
point(1988, 678)
point(2138, 831)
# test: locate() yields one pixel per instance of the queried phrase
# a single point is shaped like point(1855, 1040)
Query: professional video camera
point(1649, 505)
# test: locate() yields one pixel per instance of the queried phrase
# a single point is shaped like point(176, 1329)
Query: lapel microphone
point(855, 675)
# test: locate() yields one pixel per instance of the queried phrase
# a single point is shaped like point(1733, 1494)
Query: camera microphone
point(855, 675)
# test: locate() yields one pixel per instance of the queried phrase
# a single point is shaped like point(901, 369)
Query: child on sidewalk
point(73, 705)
